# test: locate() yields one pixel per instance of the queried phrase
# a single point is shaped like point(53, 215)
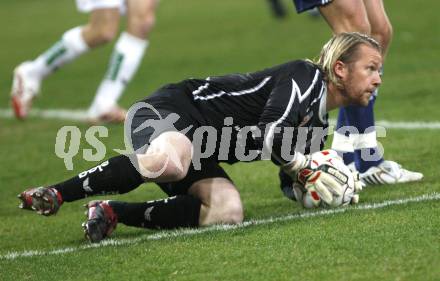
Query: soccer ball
point(329, 162)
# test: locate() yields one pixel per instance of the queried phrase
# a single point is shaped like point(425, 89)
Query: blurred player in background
point(278, 114)
point(368, 17)
point(102, 28)
point(277, 8)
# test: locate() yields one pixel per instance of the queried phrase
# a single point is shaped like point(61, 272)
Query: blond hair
point(342, 47)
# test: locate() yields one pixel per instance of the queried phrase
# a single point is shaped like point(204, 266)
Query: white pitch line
point(221, 228)
point(57, 114)
point(407, 125)
point(81, 115)
point(414, 125)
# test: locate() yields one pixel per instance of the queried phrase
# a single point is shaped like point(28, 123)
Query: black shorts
point(210, 169)
point(168, 109)
point(304, 5)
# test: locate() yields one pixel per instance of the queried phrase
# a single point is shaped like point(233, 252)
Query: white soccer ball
point(311, 199)
point(331, 163)
point(324, 157)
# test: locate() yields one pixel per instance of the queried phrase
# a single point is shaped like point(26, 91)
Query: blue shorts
point(304, 5)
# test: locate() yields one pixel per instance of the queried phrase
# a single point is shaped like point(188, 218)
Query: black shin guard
point(169, 213)
point(116, 175)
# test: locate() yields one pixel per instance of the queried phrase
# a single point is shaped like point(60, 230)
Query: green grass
point(196, 39)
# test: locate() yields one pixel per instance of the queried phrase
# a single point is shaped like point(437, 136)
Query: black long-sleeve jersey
point(282, 108)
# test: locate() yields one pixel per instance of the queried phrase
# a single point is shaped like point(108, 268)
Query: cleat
point(389, 172)
point(26, 202)
point(101, 221)
point(44, 200)
point(24, 89)
point(115, 115)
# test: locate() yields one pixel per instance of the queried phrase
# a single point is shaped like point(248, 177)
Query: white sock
point(71, 46)
point(125, 60)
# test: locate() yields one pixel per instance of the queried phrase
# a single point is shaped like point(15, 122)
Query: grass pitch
point(198, 38)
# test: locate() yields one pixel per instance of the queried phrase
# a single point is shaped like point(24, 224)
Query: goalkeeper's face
point(362, 76)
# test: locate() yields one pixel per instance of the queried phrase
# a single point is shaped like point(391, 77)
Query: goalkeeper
point(184, 130)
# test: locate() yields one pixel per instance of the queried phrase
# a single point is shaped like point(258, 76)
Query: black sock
point(116, 175)
point(169, 213)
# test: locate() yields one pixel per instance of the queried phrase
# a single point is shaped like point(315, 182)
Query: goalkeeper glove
point(323, 177)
